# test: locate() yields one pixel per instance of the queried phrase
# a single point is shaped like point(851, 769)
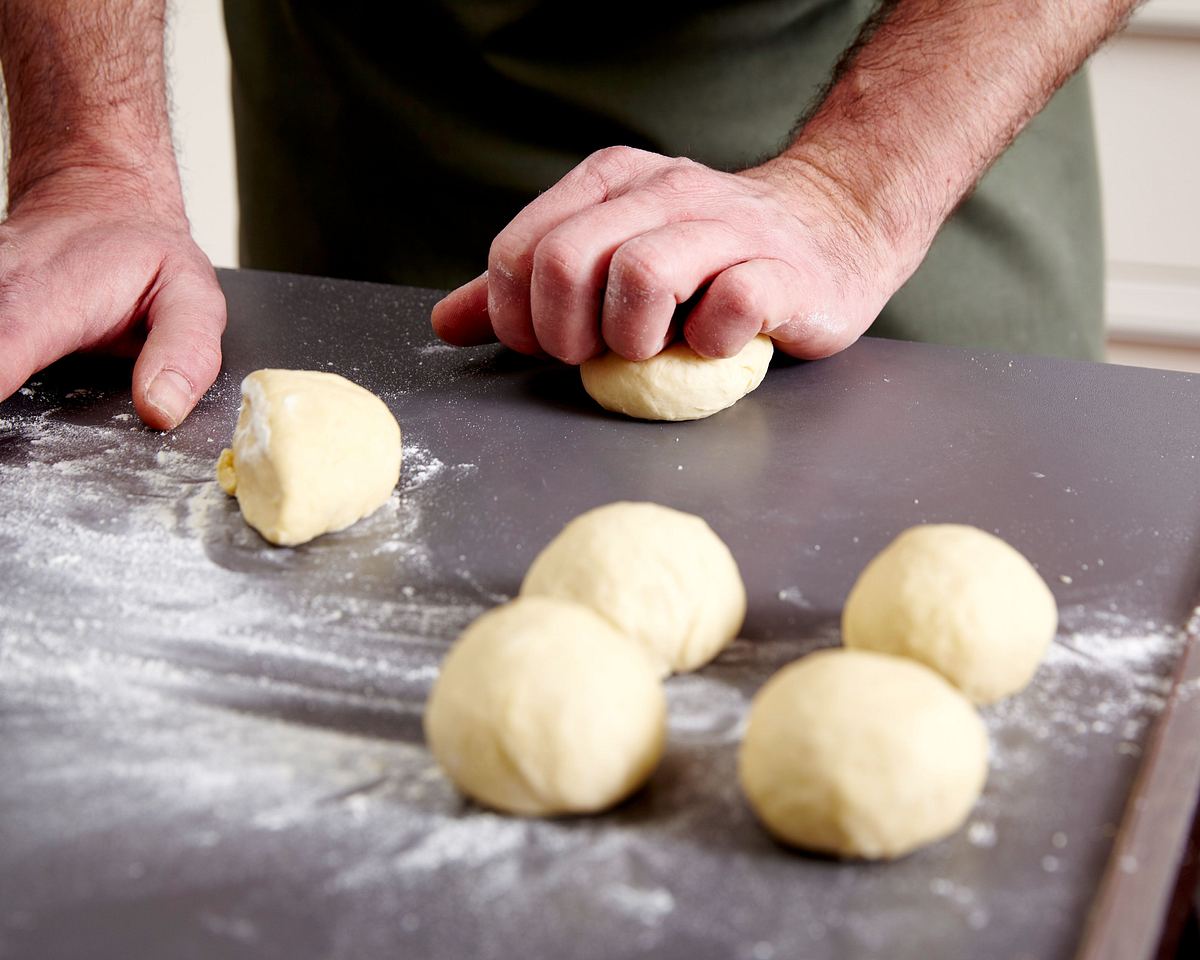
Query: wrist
point(878, 246)
point(101, 184)
point(895, 210)
point(926, 99)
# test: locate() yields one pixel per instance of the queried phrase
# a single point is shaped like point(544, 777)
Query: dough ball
point(543, 708)
point(658, 575)
point(312, 453)
point(677, 384)
point(958, 600)
point(861, 755)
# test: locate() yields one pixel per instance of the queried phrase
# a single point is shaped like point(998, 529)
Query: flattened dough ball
point(542, 708)
point(861, 755)
point(677, 384)
point(312, 453)
point(958, 600)
point(658, 575)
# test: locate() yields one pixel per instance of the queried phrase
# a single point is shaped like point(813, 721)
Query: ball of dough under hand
point(543, 708)
point(312, 453)
point(658, 575)
point(861, 755)
point(677, 384)
point(958, 600)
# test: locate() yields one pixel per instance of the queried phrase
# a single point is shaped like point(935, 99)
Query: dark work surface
point(212, 747)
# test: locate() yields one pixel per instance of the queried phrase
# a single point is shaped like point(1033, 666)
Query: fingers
point(461, 317)
point(16, 364)
point(606, 256)
point(571, 269)
point(182, 355)
point(749, 298)
point(511, 260)
point(764, 296)
point(652, 274)
point(25, 346)
point(49, 310)
point(623, 264)
point(816, 333)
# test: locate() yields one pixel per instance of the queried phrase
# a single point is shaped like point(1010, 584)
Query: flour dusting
point(183, 700)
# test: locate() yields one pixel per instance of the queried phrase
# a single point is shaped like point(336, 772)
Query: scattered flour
point(795, 597)
point(262, 705)
point(642, 905)
point(111, 524)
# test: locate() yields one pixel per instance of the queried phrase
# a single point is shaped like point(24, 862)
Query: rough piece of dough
point(861, 755)
point(677, 384)
point(542, 708)
point(658, 575)
point(312, 453)
point(958, 600)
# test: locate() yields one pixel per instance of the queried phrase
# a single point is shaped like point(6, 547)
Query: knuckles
point(637, 271)
point(612, 164)
point(531, 277)
point(558, 263)
point(505, 255)
point(741, 298)
point(681, 179)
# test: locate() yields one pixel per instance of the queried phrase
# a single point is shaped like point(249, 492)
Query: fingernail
point(169, 393)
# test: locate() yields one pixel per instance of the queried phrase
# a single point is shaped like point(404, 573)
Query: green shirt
point(393, 141)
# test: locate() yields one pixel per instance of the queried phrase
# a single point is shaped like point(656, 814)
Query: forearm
point(930, 95)
point(86, 90)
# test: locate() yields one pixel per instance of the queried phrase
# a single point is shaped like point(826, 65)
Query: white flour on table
point(131, 530)
point(273, 693)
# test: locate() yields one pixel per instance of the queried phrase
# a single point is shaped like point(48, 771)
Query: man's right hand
point(96, 260)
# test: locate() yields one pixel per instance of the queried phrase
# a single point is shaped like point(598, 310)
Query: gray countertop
point(212, 747)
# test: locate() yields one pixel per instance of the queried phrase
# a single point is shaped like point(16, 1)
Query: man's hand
point(628, 236)
point(95, 253)
point(807, 247)
point(87, 264)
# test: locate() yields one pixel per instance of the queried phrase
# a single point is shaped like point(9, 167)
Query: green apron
point(392, 142)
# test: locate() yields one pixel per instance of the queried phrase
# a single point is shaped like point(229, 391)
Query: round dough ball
point(959, 600)
point(312, 453)
point(677, 384)
point(861, 755)
point(658, 575)
point(542, 708)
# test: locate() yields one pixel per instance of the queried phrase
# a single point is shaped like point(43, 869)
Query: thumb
point(182, 354)
point(461, 317)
